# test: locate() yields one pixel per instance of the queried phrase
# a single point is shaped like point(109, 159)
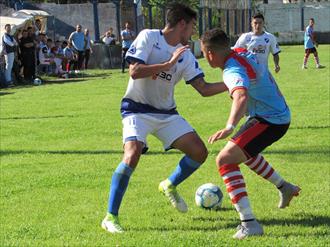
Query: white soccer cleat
point(287, 192)
point(111, 224)
point(175, 199)
point(304, 67)
point(251, 228)
point(319, 66)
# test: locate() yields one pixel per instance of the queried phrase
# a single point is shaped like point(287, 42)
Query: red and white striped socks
point(235, 185)
point(259, 165)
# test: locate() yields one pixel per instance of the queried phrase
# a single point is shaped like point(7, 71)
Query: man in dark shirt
point(27, 47)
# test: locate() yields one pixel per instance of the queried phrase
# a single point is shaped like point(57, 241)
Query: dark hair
point(29, 28)
point(7, 25)
point(49, 40)
point(215, 39)
point(64, 42)
point(312, 19)
point(259, 15)
point(177, 12)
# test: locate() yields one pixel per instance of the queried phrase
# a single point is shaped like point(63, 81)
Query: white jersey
point(156, 95)
point(261, 45)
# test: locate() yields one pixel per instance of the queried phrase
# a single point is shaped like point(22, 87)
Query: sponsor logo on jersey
point(156, 46)
point(266, 40)
point(165, 76)
point(259, 49)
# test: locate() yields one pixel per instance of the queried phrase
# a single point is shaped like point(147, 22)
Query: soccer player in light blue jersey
point(310, 45)
point(255, 93)
point(158, 60)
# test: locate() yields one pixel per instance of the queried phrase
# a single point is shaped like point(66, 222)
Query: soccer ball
point(209, 196)
point(37, 81)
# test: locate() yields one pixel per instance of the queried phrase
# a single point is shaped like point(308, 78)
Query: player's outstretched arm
point(238, 110)
point(138, 70)
point(208, 89)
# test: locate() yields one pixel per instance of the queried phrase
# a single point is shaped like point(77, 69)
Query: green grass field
point(60, 143)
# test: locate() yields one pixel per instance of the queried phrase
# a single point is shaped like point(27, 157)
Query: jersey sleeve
point(235, 80)
point(140, 49)
point(274, 47)
point(241, 42)
point(191, 71)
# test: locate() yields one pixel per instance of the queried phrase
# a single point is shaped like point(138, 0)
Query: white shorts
point(167, 130)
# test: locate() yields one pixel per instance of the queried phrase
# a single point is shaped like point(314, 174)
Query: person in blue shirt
point(254, 93)
point(77, 38)
point(127, 36)
point(310, 45)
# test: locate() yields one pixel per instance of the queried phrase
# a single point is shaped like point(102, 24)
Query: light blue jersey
point(128, 35)
point(308, 41)
point(265, 99)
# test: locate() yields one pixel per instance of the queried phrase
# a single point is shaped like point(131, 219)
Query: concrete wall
point(67, 16)
point(286, 20)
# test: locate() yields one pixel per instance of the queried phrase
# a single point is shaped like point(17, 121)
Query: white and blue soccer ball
point(209, 196)
point(37, 81)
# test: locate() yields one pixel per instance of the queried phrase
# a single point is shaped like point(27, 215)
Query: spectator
point(45, 56)
point(127, 36)
point(88, 48)
point(38, 27)
point(77, 38)
point(108, 40)
point(57, 53)
point(70, 57)
point(27, 48)
point(9, 45)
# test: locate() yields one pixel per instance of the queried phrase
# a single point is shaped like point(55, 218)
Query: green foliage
point(61, 142)
point(159, 3)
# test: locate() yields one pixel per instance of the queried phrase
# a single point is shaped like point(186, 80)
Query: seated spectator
point(46, 58)
point(58, 55)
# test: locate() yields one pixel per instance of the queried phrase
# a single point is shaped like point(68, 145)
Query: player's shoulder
point(247, 35)
point(269, 34)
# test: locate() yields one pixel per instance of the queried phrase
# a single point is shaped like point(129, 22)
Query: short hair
point(215, 39)
point(64, 42)
point(49, 40)
point(312, 19)
point(7, 25)
point(259, 15)
point(29, 28)
point(177, 12)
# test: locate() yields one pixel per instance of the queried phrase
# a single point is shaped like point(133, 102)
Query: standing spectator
point(260, 42)
point(310, 45)
point(77, 38)
point(107, 39)
point(88, 48)
point(27, 47)
point(127, 36)
point(9, 45)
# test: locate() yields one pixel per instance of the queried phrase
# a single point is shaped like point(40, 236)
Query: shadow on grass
point(309, 150)
point(78, 152)
point(5, 93)
point(36, 117)
point(306, 220)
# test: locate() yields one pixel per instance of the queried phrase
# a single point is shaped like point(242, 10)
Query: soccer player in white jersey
point(260, 42)
point(255, 94)
point(158, 60)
